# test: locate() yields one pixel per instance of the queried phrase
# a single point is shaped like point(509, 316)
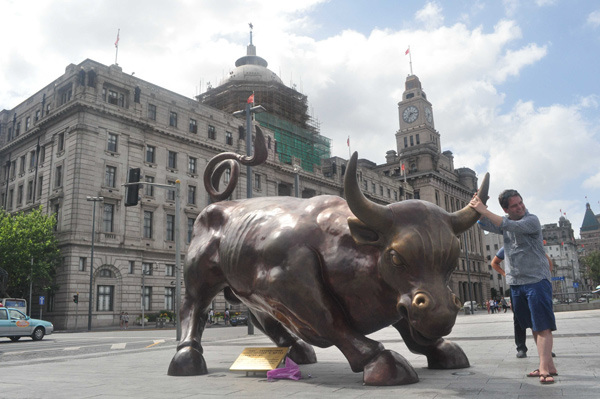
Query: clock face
point(428, 115)
point(410, 114)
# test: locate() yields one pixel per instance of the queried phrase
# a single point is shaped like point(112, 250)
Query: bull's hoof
point(447, 355)
point(389, 368)
point(187, 361)
point(302, 353)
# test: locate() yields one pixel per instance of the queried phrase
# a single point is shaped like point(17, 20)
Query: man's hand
point(476, 204)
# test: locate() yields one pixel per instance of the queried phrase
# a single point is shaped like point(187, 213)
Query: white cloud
point(430, 16)
point(594, 19)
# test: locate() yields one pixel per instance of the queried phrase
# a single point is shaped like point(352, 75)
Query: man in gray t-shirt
point(527, 273)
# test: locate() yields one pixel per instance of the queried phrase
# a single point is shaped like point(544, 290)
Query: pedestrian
point(126, 320)
point(211, 315)
point(121, 321)
point(527, 273)
point(504, 304)
point(487, 305)
point(226, 316)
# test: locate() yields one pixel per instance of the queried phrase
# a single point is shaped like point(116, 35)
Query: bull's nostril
point(457, 301)
point(421, 301)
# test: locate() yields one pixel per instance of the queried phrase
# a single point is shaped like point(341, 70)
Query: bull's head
point(419, 251)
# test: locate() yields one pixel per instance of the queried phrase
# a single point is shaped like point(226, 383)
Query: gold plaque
point(259, 359)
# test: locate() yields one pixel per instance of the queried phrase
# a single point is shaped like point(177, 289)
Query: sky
point(513, 83)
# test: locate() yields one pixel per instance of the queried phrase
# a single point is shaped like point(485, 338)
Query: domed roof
point(253, 73)
point(252, 68)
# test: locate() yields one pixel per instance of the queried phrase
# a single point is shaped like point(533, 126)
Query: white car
point(467, 305)
point(15, 324)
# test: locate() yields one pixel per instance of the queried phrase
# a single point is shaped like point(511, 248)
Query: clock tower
point(416, 119)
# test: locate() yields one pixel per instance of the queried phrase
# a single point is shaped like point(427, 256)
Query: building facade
point(77, 138)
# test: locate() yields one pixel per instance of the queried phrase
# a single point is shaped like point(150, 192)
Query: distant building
point(498, 287)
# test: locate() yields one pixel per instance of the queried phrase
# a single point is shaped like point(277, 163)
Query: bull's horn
point(465, 218)
point(373, 215)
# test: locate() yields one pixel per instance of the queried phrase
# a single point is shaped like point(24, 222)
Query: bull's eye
point(396, 258)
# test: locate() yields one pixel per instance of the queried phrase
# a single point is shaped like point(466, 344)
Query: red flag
point(251, 99)
point(407, 51)
point(117, 41)
point(348, 142)
point(403, 167)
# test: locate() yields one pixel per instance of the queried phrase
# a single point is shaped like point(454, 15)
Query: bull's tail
point(231, 160)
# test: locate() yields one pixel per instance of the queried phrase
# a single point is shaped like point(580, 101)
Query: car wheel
point(38, 334)
point(14, 339)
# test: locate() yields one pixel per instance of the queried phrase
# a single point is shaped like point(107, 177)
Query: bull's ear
point(363, 234)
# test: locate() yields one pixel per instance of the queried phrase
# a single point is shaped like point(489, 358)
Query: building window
point(27, 123)
point(227, 176)
point(40, 186)
point(112, 142)
point(405, 142)
point(169, 270)
point(171, 193)
point(212, 132)
point(192, 195)
point(418, 139)
point(30, 191)
point(105, 273)
point(137, 94)
point(152, 112)
point(411, 141)
point(115, 98)
point(150, 154)
point(61, 142)
point(193, 126)
point(105, 298)
point(147, 224)
point(170, 228)
point(173, 119)
point(169, 298)
point(11, 194)
point(147, 295)
point(82, 262)
point(229, 138)
point(172, 160)
point(192, 165)
point(148, 189)
point(109, 176)
point(22, 163)
point(58, 176)
point(190, 229)
point(37, 115)
point(257, 185)
point(42, 154)
point(131, 266)
point(20, 195)
point(147, 268)
point(32, 159)
point(64, 94)
point(373, 189)
point(108, 218)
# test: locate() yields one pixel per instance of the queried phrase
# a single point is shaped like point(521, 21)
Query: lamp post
point(94, 200)
point(250, 109)
point(297, 181)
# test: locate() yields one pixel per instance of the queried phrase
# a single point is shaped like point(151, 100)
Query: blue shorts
point(532, 305)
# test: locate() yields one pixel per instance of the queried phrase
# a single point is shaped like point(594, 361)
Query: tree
point(23, 237)
point(592, 262)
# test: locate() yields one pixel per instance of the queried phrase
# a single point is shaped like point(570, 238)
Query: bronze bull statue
point(327, 271)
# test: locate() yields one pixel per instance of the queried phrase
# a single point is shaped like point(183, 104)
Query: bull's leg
point(203, 281)
point(442, 354)
point(300, 352)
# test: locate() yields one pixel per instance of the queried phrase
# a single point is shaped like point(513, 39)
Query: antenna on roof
point(251, 27)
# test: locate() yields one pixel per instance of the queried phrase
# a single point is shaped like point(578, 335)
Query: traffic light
point(131, 194)
point(76, 298)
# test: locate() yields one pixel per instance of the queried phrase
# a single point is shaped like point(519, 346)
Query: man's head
point(512, 203)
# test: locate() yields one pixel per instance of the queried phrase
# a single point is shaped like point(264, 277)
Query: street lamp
point(94, 200)
point(249, 111)
point(297, 180)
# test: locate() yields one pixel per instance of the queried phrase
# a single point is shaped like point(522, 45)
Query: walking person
point(527, 273)
point(126, 320)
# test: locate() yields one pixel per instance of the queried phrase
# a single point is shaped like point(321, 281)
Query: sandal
point(536, 373)
point(546, 379)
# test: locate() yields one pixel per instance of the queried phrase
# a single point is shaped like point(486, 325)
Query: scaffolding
point(293, 141)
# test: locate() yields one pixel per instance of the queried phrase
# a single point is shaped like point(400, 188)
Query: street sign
point(561, 278)
point(42, 300)
point(575, 284)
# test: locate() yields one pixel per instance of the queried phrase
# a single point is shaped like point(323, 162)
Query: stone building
point(78, 136)
point(498, 286)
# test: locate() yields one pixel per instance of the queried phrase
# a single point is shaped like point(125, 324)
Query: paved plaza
point(487, 339)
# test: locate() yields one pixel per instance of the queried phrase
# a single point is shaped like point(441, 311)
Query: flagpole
point(117, 46)
point(349, 151)
point(410, 59)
